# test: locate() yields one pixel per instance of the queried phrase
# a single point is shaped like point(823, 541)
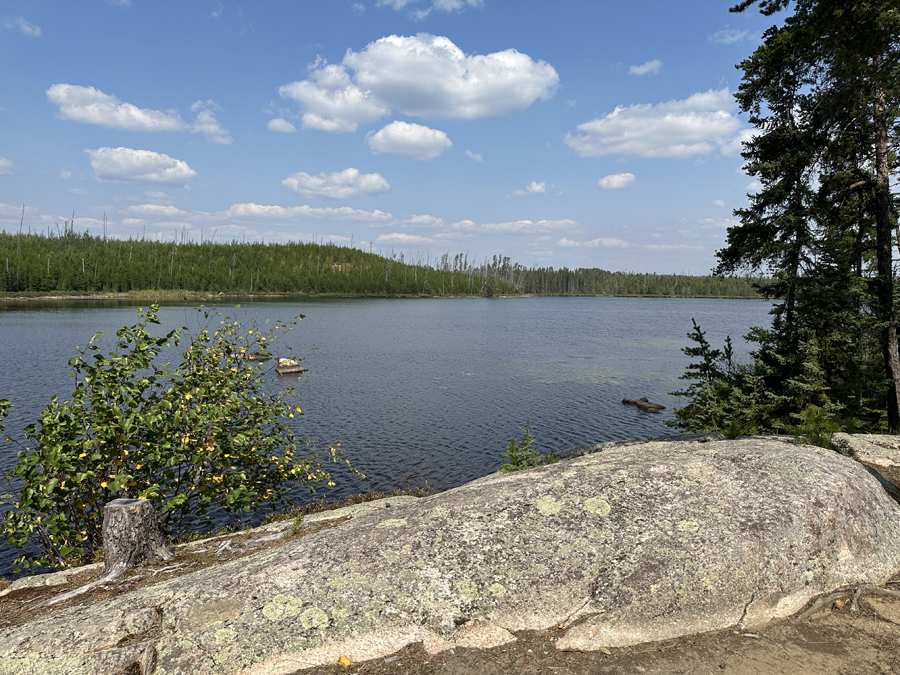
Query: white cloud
point(669, 247)
point(138, 166)
point(605, 242)
point(216, 13)
point(206, 123)
point(252, 210)
point(440, 5)
point(89, 105)
point(133, 221)
point(675, 129)
point(409, 140)
point(158, 210)
point(338, 185)
point(65, 174)
point(651, 67)
point(728, 36)
point(726, 223)
point(424, 76)
point(23, 25)
point(281, 125)
point(6, 166)
point(422, 221)
point(474, 155)
point(615, 181)
point(119, 3)
point(734, 147)
point(755, 186)
point(78, 191)
point(719, 202)
point(332, 102)
point(515, 227)
point(533, 188)
point(400, 238)
point(359, 7)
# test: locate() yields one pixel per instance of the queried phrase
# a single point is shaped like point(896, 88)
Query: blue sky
point(579, 134)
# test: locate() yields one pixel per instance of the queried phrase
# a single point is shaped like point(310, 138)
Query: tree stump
point(131, 536)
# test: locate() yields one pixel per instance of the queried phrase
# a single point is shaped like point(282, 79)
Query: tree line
point(76, 263)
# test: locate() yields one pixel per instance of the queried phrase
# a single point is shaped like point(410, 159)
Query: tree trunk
point(884, 282)
point(131, 536)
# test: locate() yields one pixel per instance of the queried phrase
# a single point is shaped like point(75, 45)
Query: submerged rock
point(650, 542)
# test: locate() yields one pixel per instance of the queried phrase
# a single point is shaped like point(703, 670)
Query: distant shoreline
point(174, 295)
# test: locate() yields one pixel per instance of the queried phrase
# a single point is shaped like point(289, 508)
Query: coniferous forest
point(68, 262)
point(823, 91)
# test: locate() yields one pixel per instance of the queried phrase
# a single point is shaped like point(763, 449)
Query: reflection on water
point(422, 389)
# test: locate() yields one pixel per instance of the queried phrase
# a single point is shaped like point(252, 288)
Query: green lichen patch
point(314, 617)
point(548, 506)
point(283, 607)
point(224, 636)
point(597, 505)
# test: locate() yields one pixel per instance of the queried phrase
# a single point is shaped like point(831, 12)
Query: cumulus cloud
point(138, 166)
point(696, 125)
point(281, 125)
point(155, 210)
point(423, 76)
point(474, 155)
point(206, 123)
point(331, 101)
point(728, 36)
point(23, 25)
point(669, 247)
point(6, 166)
point(734, 147)
point(604, 242)
point(338, 185)
point(89, 105)
point(651, 67)
point(515, 227)
point(533, 188)
point(409, 140)
point(719, 202)
point(401, 238)
point(251, 210)
point(422, 221)
point(615, 181)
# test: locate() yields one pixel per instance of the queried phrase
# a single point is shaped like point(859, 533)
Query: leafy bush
point(524, 454)
point(202, 436)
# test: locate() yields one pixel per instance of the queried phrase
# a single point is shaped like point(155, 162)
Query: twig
point(820, 603)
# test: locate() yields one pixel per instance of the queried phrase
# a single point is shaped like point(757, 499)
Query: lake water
point(422, 389)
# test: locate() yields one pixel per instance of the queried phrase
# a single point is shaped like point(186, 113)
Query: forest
point(69, 262)
point(823, 92)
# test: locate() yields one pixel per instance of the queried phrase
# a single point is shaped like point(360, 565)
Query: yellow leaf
point(345, 661)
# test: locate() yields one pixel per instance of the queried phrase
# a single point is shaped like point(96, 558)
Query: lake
point(421, 390)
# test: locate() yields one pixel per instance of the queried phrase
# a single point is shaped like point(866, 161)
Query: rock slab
point(645, 542)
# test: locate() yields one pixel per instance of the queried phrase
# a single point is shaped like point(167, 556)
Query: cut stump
point(131, 536)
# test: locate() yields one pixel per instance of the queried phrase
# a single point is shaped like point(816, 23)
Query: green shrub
point(202, 436)
point(524, 454)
